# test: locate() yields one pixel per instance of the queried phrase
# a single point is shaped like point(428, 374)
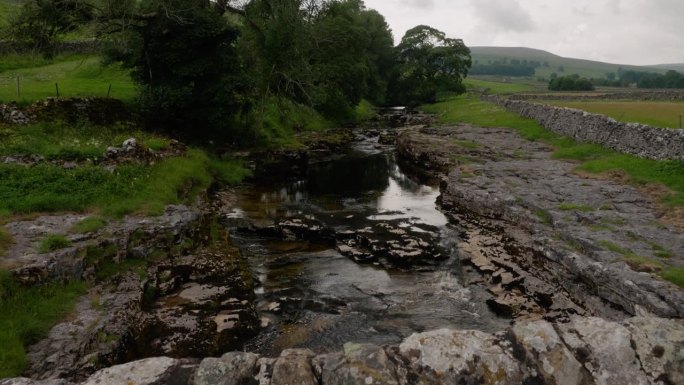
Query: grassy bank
point(26, 316)
point(658, 114)
point(74, 76)
point(590, 158)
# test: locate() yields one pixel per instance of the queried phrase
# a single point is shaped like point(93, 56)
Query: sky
point(636, 32)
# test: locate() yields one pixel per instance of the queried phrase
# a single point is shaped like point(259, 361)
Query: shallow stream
point(310, 295)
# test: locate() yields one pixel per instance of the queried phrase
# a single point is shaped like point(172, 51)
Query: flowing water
point(312, 296)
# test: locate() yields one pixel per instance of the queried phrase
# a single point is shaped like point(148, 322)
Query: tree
point(40, 24)
point(428, 62)
point(182, 55)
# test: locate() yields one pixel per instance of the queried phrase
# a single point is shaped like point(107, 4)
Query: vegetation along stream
point(324, 285)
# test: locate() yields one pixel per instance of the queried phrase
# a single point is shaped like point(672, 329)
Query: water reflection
point(319, 299)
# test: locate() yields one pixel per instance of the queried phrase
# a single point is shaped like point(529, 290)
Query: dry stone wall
point(632, 138)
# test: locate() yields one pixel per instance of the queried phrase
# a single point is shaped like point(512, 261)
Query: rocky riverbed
point(522, 272)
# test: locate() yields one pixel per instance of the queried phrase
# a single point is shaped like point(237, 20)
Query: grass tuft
point(53, 242)
point(674, 275)
point(89, 225)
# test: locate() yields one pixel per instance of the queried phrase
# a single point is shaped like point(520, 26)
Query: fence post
point(57, 89)
point(109, 90)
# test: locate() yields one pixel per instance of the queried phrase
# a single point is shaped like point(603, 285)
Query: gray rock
point(235, 368)
point(463, 357)
point(359, 364)
point(265, 370)
point(293, 367)
point(545, 351)
point(605, 349)
point(659, 344)
point(151, 371)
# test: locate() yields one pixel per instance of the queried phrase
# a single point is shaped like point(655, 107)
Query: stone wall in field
point(632, 138)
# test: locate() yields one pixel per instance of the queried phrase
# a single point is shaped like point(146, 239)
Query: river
point(310, 295)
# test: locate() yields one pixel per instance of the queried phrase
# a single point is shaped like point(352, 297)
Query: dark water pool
point(311, 296)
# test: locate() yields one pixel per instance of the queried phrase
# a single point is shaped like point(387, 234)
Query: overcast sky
point(615, 31)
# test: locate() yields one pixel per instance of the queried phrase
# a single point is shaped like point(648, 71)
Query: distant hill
point(675, 66)
point(554, 63)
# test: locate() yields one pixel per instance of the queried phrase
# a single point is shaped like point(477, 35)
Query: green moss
point(53, 242)
point(89, 225)
point(26, 316)
point(544, 216)
point(674, 275)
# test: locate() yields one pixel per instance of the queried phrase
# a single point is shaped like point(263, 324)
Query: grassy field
point(75, 76)
point(498, 87)
point(658, 114)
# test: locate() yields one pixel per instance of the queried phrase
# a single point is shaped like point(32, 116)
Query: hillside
point(674, 66)
point(586, 68)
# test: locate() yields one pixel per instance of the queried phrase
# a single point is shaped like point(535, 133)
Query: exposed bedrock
point(585, 350)
point(548, 241)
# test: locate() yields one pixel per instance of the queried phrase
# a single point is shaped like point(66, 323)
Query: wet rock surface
point(548, 241)
point(585, 350)
point(171, 285)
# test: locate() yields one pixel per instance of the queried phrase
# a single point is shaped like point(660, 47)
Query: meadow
point(74, 75)
point(654, 113)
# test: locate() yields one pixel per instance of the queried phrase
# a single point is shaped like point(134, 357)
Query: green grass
point(575, 207)
point(6, 241)
point(658, 114)
point(284, 118)
point(26, 316)
point(674, 275)
point(131, 188)
point(591, 158)
point(365, 111)
point(59, 140)
point(89, 225)
point(84, 76)
point(53, 242)
point(228, 172)
point(498, 87)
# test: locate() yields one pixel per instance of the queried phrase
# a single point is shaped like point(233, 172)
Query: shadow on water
point(310, 295)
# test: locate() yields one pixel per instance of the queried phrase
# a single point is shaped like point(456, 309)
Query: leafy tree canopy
point(428, 63)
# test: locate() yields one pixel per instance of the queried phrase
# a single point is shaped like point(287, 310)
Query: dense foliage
point(225, 67)
point(570, 83)
point(428, 62)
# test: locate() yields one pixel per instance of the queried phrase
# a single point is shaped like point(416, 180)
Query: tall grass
point(26, 316)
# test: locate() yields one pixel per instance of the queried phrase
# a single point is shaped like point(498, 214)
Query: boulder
point(293, 367)
point(605, 349)
point(151, 371)
point(235, 368)
point(460, 357)
point(659, 345)
point(358, 364)
point(545, 351)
